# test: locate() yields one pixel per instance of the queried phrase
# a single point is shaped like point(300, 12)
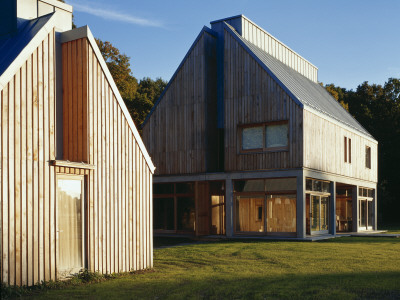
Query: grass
point(343, 268)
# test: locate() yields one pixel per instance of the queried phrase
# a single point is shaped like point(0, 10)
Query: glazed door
point(319, 214)
point(70, 225)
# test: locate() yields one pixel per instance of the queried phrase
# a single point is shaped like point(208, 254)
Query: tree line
point(375, 107)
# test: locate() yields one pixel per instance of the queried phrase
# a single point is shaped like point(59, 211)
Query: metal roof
point(304, 91)
point(11, 45)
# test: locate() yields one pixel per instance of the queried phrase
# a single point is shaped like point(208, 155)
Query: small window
point(259, 213)
point(252, 138)
point(368, 157)
point(347, 150)
point(276, 136)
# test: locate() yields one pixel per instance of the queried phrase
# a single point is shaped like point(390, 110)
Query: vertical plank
point(40, 163)
point(52, 151)
point(24, 216)
point(17, 170)
point(29, 170)
point(46, 158)
point(4, 184)
point(11, 180)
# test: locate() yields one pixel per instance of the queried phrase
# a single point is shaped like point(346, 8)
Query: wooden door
point(70, 225)
point(202, 208)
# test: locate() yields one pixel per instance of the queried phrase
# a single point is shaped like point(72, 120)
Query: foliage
point(138, 97)
point(342, 268)
point(377, 108)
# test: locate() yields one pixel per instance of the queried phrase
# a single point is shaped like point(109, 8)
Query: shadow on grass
point(382, 285)
point(361, 240)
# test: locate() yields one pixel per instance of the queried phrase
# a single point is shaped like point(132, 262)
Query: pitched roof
point(15, 48)
point(304, 91)
point(11, 45)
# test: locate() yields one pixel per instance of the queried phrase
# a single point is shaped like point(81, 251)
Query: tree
point(119, 66)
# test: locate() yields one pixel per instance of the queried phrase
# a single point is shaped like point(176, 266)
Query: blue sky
point(350, 41)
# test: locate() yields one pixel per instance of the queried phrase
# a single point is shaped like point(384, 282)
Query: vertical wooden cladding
point(119, 189)
point(27, 114)
point(252, 96)
point(175, 135)
point(277, 49)
point(325, 149)
point(75, 100)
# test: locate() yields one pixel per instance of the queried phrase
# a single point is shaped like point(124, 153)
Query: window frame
point(263, 125)
point(347, 149)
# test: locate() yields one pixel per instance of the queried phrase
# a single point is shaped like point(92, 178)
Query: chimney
point(32, 9)
point(12, 10)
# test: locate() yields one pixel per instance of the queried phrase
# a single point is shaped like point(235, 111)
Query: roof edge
point(204, 29)
point(29, 48)
point(270, 73)
point(84, 32)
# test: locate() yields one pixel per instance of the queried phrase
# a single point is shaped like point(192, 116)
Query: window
point(265, 137)
point(347, 150)
point(368, 157)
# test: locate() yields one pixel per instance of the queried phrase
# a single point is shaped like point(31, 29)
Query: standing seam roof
point(307, 92)
point(11, 45)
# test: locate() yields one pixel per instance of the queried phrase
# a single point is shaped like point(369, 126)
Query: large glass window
point(174, 207)
point(250, 213)
point(317, 205)
point(163, 209)
point(266, 137)
point(265, 205)
point(281, 215)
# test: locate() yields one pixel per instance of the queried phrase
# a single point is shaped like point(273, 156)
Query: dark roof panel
point(11, 45)
point(305, 91)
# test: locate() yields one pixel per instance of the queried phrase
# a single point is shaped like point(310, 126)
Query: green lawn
point(343, 268)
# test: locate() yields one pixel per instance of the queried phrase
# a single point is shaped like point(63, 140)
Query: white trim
point(341, 124)
point(84, 32)
point(27, 51)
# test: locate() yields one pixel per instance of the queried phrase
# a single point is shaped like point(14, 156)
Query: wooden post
point(300, 206)
point(229, 207)
point(356, 207)
point(332, 208)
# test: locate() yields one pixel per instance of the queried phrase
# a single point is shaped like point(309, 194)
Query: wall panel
point(27, 179)
point(252, 96)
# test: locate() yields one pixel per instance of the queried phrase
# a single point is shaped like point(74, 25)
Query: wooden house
point(76, 179)
point(247, 142)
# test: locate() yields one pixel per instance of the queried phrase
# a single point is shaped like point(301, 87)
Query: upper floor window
point(347, 150)
point(265, 137)
point(368, 157)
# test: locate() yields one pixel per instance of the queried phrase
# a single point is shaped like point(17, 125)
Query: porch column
point(332, 208)
point(301, 206)
point(229, 207)
point(356, 208)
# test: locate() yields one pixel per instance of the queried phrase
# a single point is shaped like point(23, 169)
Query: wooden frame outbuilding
point(76, 179)
point(262, 147)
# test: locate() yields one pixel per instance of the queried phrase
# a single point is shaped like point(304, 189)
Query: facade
point(76, 179)
point(247, 142)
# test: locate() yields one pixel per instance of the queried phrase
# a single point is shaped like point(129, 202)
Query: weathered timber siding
point(176, 133)
point(324, 149)
point(27, 215)
point(120, 188)
point(75, 100)
point(252, 96)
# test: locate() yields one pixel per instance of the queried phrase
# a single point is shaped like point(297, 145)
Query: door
point(70, 224)
point(366, 214)
point(203, 209)
point(318, 214)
